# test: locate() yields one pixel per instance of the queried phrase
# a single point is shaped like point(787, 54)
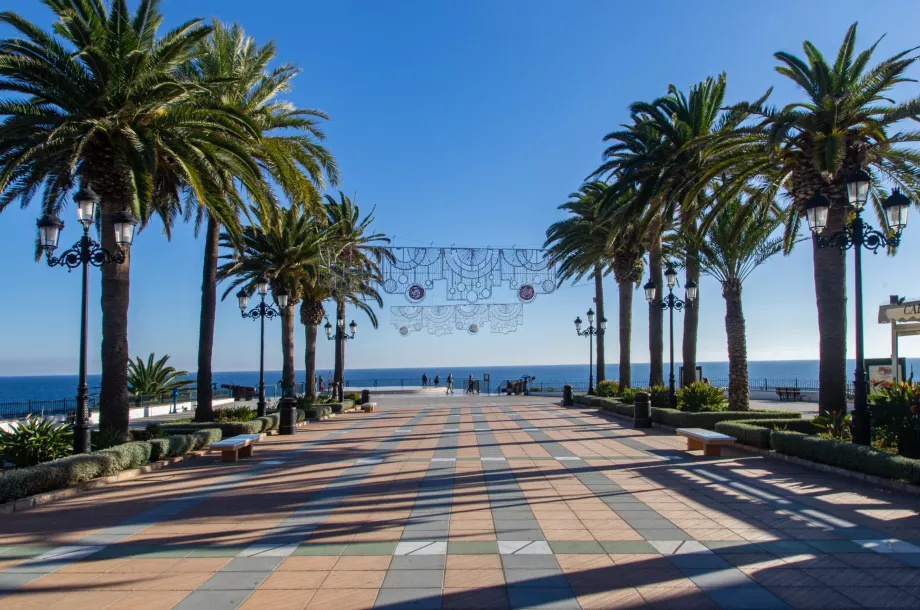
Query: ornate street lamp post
point(84, 253)
point(670, 303)
point(590, 333)
point(858, 235)
point(340, 334)
point(260, 312)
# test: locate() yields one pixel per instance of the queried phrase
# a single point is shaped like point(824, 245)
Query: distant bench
point(369, 407)
point(788, 393)
point(707, 440)
point(237, 446)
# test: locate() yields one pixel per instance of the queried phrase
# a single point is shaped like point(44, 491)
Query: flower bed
point(75, 469)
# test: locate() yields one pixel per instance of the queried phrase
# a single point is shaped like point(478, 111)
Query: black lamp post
point(84, 253)
point(590, 333)
point(340, 334)
point(260, 312)
point(858, 235)
point(670, 303)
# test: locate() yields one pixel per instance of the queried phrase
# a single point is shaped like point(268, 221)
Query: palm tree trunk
point(738, 390)
point(599, 304)
point(656, 314)
point(310, 361)
point(116, 284)
point(626, 299)
point(339, 376)
point(691, 322)
point(204, 411)
point(830, 291)
point(287, 347)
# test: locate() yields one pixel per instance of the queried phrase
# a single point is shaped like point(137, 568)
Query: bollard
point(567, 400)
point(641, 415)
point(365, 396)
point(287, 407)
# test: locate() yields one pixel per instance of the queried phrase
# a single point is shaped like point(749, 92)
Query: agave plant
point(150, 378)
point(34, 441)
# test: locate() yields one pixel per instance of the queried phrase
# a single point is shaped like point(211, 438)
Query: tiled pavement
point(468, 502)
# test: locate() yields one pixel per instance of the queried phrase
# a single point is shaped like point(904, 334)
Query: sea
point(803, 373)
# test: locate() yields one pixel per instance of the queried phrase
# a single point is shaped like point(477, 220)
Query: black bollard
point(365, 396)
point(567, 400)
point(287, 407)
point(641, 415)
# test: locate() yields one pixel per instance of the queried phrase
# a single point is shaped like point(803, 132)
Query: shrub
point(549, 388)
point(699, 396)
point(159, 449)
point(301, 416)
point(269, 422)
point(353, 396)
point(56, 474)
point(203, 438)
point(234, 414)
point(317, 412)
point(835, 425)
point(708, 420)
point(106, 437)
point(628, 395)
point(756, 432)
point(616, 406)
point(180, 444)
point(130, 455)
point(228, 429)
point(607, 388)
point(304, 403)
point(36, 440)
point(846, 455)
point(336, 407)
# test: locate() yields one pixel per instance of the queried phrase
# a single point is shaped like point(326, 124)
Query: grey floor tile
point(213, 600)
point(413, 579)
point(425, 536)
point(409, 599)
point(252, 564)
point(699, 560)
point(520, 535)
point(709, 579)
point(513, 562)
point(222, 581)
point(747, 598)
point(10, 581)
point(536, 578)
point(548, 599)
point(664, 534)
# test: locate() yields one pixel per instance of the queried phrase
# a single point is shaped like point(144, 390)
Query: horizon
point(499, 117)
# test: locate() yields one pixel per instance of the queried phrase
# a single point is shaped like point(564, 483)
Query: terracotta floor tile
point(321, 563)
point(278, 600)
point(343, 599)
point(21, 600)
point(494, 598)
point(363, 562)
point(199, 564)
point(97, 566)
point(148, 600)
point(188, 581)
point(147, 566)
point(473, 579)
point(294, 580)
point(617, 598)
point(57, 581)
point(86, 599)
point(583, 562)
point(353, 579)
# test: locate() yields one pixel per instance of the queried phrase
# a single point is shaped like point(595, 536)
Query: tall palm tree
point(357, 267)
point(101, 100)
point(581, 245)
point(284, 246)
point(235, 70)
point(738, 240)
point(845, 121)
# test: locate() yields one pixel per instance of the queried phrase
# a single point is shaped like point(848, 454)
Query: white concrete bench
point(369, 407)
point(237, 446)
point(707, 440)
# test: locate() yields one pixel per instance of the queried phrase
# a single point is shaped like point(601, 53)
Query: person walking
point(437, 380)
point(469, 384)
point(424, 379)
point(450, 383)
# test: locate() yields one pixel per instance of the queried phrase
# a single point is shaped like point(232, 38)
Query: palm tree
point(737, 241)
point(235, 70)
point(101, 101)
point(846, 121)
point(285, 247)
point(357, 269)
point(581, 245)
point(154, 378)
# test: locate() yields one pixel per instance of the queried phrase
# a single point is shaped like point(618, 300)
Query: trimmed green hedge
point(756, 432)
point(228, 429)
point(336, 407)
point(130, 455)
point(588, 401)
point(269, 422)
point(846, 455)
point(316, 412)
point(616, 406)
point(709, 419)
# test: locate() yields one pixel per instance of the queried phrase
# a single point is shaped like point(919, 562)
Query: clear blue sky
point(469, 122)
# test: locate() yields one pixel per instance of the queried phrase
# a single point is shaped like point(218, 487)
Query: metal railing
point(19, 409)
point(771, 384)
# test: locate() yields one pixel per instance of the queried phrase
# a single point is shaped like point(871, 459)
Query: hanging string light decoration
point(471, 274)
point(445, 319)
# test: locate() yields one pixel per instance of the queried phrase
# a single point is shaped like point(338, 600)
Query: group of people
point(320, 385)
point(449, 382)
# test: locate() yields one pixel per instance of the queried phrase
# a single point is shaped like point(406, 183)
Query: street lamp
point(590, 332)
point(340, 334)
point(84, 253)
point(858, 235)
point(260, 312)
point(671, 303)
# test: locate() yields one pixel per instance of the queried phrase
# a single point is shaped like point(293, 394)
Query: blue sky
point(469, 123)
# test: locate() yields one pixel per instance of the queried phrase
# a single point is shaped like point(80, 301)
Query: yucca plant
point(34, 441)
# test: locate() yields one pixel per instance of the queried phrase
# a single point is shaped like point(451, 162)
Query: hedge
point(846, 455)
point(74, 469)
point(756, 432)
point(708, 420)
point(590, 401)
point(316, 412)
point(228, 429)
point(615, 406)
point(269, 422)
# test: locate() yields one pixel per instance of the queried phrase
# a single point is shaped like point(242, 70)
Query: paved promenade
point(469, 502)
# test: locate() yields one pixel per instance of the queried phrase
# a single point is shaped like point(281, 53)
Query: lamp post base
point(82, 438)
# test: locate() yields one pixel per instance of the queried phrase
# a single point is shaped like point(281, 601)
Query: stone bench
point(237, 446)
point(710, 442)
point(369, 407)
